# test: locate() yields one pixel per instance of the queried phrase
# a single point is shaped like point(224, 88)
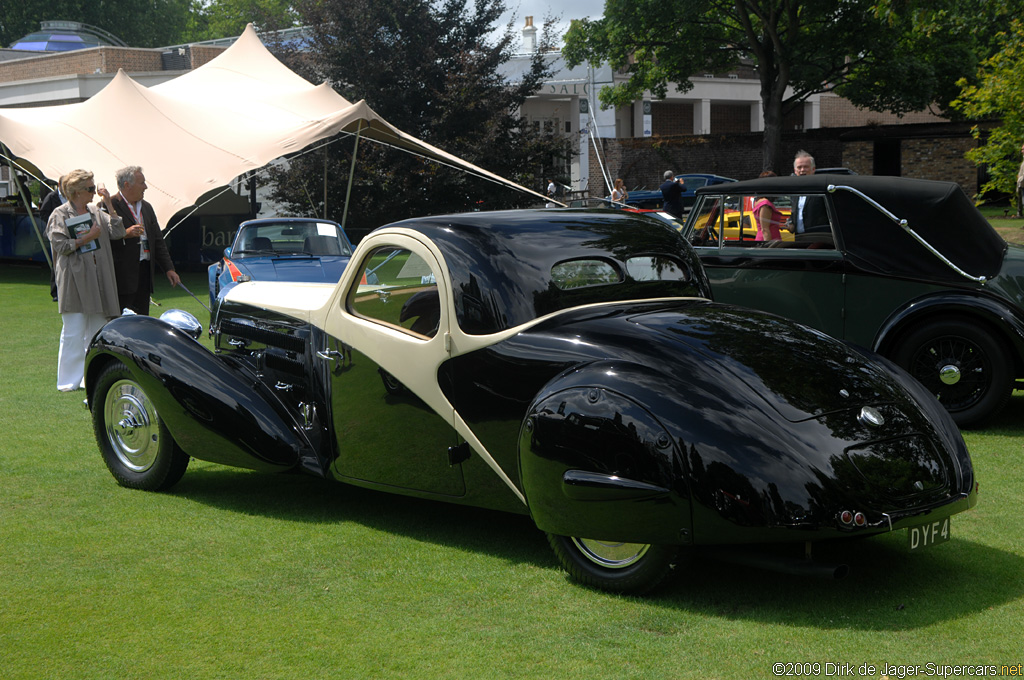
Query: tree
point(999, 94)
point(225, 18)
point(432, 70)
point(139, 23)
point(897, 55)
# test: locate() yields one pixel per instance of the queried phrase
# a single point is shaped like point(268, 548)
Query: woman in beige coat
point(84, 268)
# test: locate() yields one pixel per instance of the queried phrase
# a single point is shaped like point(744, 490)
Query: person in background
point(1020, 186)
point(551, 192)
point(808, 211)
point(672, 195)
point(768, 219)
point(86, 291)
point(619, 193)
point(47, 205)
point(136, 259)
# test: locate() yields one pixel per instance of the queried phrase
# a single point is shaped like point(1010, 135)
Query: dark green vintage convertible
point(908, 268)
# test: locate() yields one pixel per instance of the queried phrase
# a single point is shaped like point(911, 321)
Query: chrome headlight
point(184, 321)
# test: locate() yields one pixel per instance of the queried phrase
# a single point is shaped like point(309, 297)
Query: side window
point(397, 288)
point(765, 221)
point(810, 222)
point(706, 219)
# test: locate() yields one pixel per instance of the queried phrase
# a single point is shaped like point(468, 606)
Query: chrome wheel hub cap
point(610, 554)
point(949, 374)
point(132, 426)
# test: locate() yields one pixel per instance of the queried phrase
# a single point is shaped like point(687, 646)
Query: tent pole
point(351, 174)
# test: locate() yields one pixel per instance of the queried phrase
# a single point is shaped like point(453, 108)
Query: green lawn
point(241, 575)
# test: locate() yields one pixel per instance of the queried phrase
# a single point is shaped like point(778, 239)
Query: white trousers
point(75, 337)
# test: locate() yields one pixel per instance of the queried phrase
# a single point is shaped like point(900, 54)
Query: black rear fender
point(596, 464)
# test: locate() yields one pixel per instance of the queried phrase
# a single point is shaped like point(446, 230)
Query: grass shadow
point(1010, 420)
point(888, 587)
point(300, 498)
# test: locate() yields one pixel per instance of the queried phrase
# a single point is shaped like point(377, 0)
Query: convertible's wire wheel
point(610, 554)
point(132, 425)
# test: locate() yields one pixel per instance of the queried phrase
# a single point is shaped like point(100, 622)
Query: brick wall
point(932, 153)
point(671, 118)
point(641, 162)
point(202, 54)
point(96, 59)
point(942, 159)
point(838, 112)
point(730, 118)
point(859, 157)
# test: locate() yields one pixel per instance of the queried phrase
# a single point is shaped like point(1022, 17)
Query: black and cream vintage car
point(565, 364)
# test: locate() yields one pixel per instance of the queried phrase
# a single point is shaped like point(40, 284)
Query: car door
point(387, 336)
point(800, 277)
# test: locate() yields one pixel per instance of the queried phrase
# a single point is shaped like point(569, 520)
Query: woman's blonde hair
point(75, 181)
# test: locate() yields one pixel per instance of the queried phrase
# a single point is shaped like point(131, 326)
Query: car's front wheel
point(134, 442)
point(962, 364)
point(633, 568)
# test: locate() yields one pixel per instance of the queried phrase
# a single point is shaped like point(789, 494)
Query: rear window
point(584, 273)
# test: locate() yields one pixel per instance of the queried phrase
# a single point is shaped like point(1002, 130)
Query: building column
point(581, 176)
point(757, 116)
point(642, 118)
point(812, 114)
point(702, 117)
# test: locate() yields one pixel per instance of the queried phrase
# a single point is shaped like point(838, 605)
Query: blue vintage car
point(693, 181)
point(282, 249)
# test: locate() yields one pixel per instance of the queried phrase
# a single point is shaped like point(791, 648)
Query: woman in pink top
point(767, 217)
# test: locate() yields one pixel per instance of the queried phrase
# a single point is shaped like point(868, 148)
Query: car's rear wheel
point(633, 568)
point(134, 442)
point(963, 364)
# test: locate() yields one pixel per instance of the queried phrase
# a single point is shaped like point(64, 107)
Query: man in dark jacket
point(672, 194)
point(809, 212)
point(136, 259)
point(46, 207)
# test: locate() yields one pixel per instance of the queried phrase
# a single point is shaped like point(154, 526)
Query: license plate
point(925, 535)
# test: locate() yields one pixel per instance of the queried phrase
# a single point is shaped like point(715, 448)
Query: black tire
point(631, 568)
point(962, 363)
point(391, 384)
point(135, 444)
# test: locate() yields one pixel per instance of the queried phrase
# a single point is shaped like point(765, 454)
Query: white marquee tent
point(200, 131)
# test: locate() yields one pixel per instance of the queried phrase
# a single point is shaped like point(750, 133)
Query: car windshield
point(290, 238)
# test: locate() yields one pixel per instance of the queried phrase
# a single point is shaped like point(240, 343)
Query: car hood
point(293, 268)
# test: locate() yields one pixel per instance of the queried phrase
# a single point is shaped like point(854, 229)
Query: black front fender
point(213, 406)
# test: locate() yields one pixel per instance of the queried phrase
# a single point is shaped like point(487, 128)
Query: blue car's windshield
point(290, 238)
